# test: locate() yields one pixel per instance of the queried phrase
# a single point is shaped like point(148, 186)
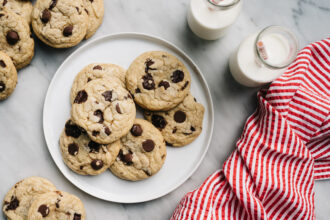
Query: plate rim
point(132, 35)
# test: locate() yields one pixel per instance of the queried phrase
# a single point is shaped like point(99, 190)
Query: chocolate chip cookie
point(104, 109)
point(158, 80)
point(57, 205)
point(97, 71)
point(142, 153)
point(19, 198)
point(95, 12)
point(84, 156)
point(8, 76)
point(22, 8)
point(180, 125)
point(60, 23)
point(15, 38)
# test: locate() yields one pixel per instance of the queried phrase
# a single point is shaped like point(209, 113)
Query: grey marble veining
point(23, 150)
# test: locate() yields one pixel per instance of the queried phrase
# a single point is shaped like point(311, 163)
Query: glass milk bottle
point(209, 19)
point(263, 56)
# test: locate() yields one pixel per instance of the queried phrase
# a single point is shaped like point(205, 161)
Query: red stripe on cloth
point(284, 147)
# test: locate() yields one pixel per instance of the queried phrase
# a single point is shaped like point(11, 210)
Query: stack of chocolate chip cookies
point(37, 198)
point(103, 132)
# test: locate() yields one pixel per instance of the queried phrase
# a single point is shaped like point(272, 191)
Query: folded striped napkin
point(284, 147)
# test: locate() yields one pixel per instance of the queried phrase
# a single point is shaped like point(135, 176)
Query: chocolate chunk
point(13, 204)
point(97, 164)
point(174, 130)
point(192, 128)
point(118, 109)
point(73, 149)
point(177, 76)
point(4, 2)
point(148, 63)
point(136, 130)
point(81, 97)
point(148, 145)
point(137, 90)
point(52, 4)
point(148, 82)
point(12, 37)
point(93, 146)
point(164, 84)
point(95, 133)
point(107, 95)
point(76, 216)
point(43, 210)
point(169, 144)
point(2, 86)
point(72, 130)
point(97, 67)
point(185, 85)
point(2, 64)
point(126, 158)
point(107, 131)
point(158, 121)
point(99, 113)
point(68, 31)
point(179, 116)
point(46, 15)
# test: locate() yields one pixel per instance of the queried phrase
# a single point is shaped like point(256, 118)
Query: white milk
point(208, 22)
point(248, 69)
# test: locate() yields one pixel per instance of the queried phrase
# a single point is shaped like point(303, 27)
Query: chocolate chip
point(81, 167)
point(78, 10)
point(195, 99)
point(68, 31)
point(43, 210)
point(91, 1)
point(118, 109)
point(127, 158)
point(2, 64)
point(57, 204)
point(93, 146)
point(148, 145)
point(2, 86)
point(13, 204)
point(148, 82)
point(107, 95)
point(158, 121)
point(148, 63)
point(185, 85)
point(129, 96)
point(97, 67)
point(107, 131)
point(73, 149)
point(86, 11)
point(4, 2)
point(95, 133)
point(174, 130)
point(177, 76)
point(136, 130)
point(169, 144)
point(137, 90)
point(12, 37)
point(89, 79)
point(52, 4)
point(163, 156)
point(164, 84)
point(1, 15)
point(72, 130)
point(46, 15)
point(76, 216)
point(179, 116)
point(147, 172)
point(99, 113)
point(192, 128)
point(97, 164)
point(81, 97)
point(186, 133)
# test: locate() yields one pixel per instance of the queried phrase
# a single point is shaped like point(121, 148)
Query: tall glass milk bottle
point(263, 56)
point(209, 19)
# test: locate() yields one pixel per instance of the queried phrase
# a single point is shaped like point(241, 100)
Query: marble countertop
point(23, 150)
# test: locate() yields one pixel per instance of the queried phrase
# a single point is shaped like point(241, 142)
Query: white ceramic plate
point(180, 163)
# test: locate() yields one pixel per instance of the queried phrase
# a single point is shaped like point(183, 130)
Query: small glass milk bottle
point(263, 56)
point(209, 19)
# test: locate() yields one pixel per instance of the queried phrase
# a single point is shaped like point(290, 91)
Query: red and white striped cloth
point(284, 147)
